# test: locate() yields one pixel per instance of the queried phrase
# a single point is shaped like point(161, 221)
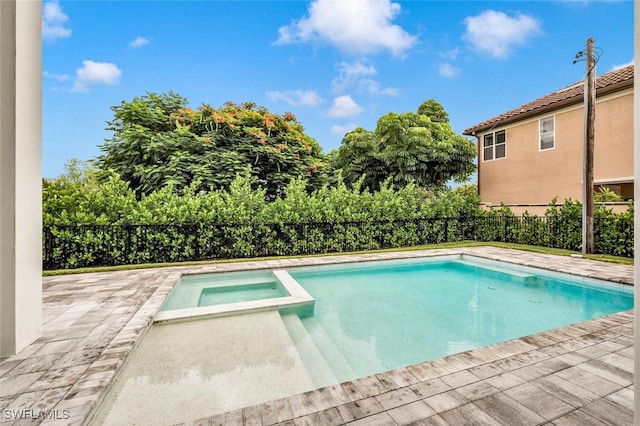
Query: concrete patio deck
point(579, 374)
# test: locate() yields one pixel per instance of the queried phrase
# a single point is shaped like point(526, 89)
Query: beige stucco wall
point(613, 156)
point(540, 209)
point(530, 176)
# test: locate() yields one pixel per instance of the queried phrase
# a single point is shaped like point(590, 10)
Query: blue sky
point(336, 64)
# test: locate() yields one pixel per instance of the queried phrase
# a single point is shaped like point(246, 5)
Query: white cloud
point(307, 98)
point(448, 70)
point(95, 73)
point(344, 106)
point(139, 42)
point(349, 74)
point(353, 26)
point(372, 87)
point(342, 130)
point(616, 67)
point(450, 54)
point(578, 2)
point(53, 22)
point(59, 77)
point(496, 33)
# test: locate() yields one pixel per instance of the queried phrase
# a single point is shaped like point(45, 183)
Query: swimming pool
point(379, 316)
point(231, 361)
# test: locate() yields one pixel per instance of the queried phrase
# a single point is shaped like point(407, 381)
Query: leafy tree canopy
point(78, 197)
point(158, 140)
point(410, 148)
point(434, 111)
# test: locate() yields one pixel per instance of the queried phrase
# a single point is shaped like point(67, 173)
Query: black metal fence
point(67, 247)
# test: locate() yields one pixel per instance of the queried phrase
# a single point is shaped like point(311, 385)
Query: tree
point(158, 140)
point(605, 195)
point(78, 197)
point(410, 148)
point(434, 111)
point(358, 156)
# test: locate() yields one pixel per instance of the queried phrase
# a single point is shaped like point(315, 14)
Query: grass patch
point(536, 249)
point(563, 252)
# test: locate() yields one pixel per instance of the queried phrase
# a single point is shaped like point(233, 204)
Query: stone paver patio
point(579, 374)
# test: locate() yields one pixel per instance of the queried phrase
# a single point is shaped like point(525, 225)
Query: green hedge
point(87, 223)
point(68, 247)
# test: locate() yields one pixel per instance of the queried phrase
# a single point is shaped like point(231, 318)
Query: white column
point(20, 174)
point(636, 215)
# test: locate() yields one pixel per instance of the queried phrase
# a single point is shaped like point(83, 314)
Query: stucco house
point(533, 153)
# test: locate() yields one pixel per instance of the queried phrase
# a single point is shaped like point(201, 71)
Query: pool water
point(241, 293)
point(375, 317)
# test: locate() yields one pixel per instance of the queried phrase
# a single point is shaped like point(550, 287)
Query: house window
point(494, 145)
point(547, 133)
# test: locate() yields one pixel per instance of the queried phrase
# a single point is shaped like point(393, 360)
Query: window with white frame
point(547, 133)
point(494, 145)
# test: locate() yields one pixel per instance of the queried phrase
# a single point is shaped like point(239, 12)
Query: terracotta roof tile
point(574, 93)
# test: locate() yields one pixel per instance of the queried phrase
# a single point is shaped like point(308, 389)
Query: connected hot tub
point(235, 292)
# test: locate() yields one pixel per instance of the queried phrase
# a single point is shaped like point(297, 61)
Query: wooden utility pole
point(589, 136)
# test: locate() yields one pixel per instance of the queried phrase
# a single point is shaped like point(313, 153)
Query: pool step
point(519, 276)
point(244, 281)
point(204, 367)
point(319, 371)
point(339, 364)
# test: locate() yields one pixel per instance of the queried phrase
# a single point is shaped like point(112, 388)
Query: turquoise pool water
point(376, 316)
point(241, 293)
point(372, 317)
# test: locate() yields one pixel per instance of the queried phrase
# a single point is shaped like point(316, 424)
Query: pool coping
point(92, 322)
